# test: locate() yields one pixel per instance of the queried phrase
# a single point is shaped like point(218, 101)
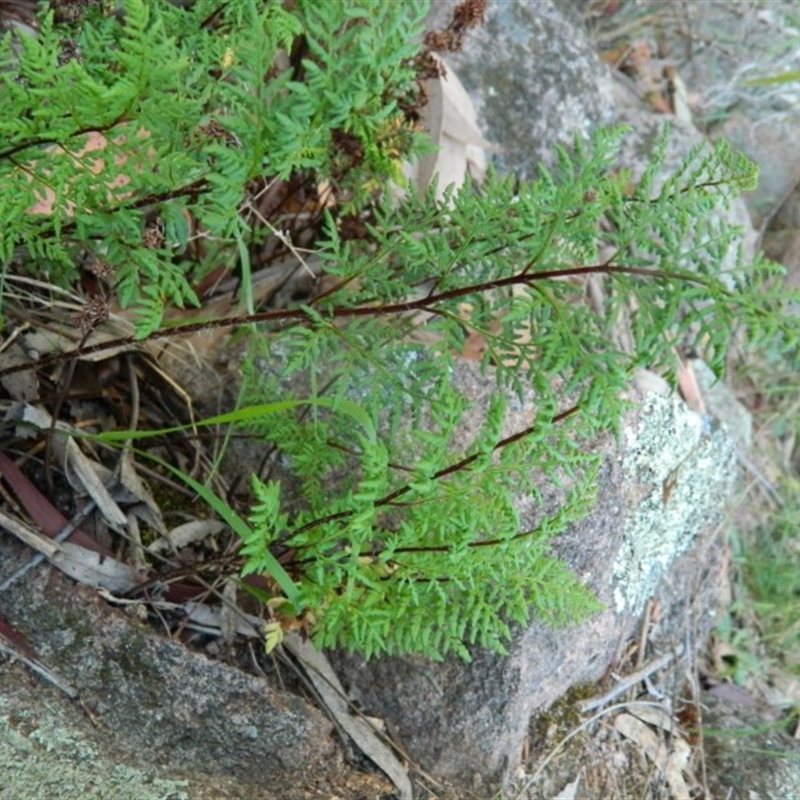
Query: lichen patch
point(680, 466)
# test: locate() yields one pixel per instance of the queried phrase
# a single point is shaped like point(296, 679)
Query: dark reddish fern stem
point(428, 304)
point(463, 464)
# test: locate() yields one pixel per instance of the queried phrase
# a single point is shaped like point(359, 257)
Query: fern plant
point(119, 133)
point(403, 543)
point(142, 140)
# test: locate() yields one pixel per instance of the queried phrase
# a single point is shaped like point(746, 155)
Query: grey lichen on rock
point(680, 466)
point(43, 755)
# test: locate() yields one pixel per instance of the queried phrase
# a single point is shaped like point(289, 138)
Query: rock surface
point(534, 79)
point(652, 532)
point(158, 720)
point(466, 723)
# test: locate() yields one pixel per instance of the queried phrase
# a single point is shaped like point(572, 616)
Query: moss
point(129, 662)
point(131, 657)
point(551, 726)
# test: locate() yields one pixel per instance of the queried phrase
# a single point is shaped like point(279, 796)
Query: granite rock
point(152, 705)
point(651, 533)
point(534, 79)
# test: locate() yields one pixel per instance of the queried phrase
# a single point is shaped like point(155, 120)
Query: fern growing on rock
point(143, 139)
point(402, 542)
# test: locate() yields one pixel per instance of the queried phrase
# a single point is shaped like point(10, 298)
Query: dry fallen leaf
point(85, 566)
point(570, 791)
point(671, 761)
point(21, 386)
point(332, 693)
point(80, 471)
point(689, 387)
point(186, 534)
point(678, 95)
point(450, 118)
point(657, 717)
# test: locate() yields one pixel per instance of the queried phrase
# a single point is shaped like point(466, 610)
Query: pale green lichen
point(42, 757)
point(679, 466)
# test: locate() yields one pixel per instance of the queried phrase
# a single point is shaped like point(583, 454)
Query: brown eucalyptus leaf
point(48, 518)
point(332, 693)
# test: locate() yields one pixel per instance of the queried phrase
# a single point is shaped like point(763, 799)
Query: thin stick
point(429, 304)
point(40, 669)
point(629, 680)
